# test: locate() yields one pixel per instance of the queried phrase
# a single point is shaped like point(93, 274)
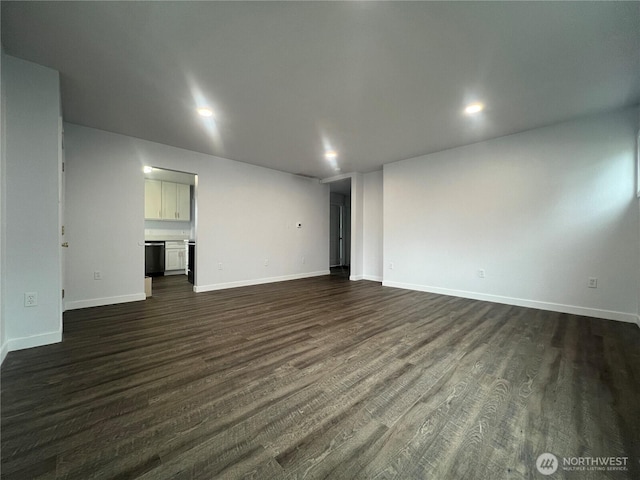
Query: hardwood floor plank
point(319, 378)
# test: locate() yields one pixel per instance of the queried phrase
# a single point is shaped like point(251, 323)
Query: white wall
point(245, 215)
point(540, 212)
point(638, 190)
point(357, 226)
point(31, 258)
point(104, 218)
point(372, 226)
point(4, 347)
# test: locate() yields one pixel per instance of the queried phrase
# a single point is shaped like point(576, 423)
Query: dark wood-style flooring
point(320, 378)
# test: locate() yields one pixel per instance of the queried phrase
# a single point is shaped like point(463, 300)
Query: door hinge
point(63, 166)
point(62, 229)
point(63, 293)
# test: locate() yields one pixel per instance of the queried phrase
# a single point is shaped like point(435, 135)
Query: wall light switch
point(592, 282)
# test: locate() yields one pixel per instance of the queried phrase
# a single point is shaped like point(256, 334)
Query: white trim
point(3, 352)
point(355, 278)
point(638, 164)
point(34, 341)
point(521, 302)
point(99, 302)
point(372, 278)
point(257, 281)
point(335, 178)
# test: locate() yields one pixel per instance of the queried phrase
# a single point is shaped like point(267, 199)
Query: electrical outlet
point(97, 275)
point(266, 262)
point(390, 265)
point(592, 282)
point(304, 260)
point(30, 299)
point(481, 273)
point(220, 266)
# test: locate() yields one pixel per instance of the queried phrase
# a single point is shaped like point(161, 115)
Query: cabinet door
point(169, 210)
point(152, 199)
point(182, 258)
point(172, 260)
point(183, 202)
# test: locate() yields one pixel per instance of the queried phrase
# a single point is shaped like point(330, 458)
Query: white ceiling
point(376, 81)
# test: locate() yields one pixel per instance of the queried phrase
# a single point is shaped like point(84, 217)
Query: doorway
point(340, 227)
point(169, 227)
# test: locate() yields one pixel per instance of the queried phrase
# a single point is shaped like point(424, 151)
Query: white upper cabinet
point(167, 201)
point(152, 199)
point(183, 202)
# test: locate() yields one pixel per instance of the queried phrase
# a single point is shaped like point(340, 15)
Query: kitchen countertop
point(168, 238)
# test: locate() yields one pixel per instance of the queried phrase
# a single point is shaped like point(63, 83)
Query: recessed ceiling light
point(331, 155)
point(147, 169)
point(205, 112)
point(473, 108)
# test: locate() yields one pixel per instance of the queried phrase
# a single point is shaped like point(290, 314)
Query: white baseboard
point(3, 351)
point(33, 341)
point(99, 302)
point(258, 281)
point(174, 272)
point(355, 278)
point(521, 302)
point(372, 278)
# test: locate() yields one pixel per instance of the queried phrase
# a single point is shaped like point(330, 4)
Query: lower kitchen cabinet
point(175, 256)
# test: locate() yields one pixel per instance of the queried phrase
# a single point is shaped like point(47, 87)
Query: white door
point(61, 207)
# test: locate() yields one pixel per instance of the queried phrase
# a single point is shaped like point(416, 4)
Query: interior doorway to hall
point(340, 227)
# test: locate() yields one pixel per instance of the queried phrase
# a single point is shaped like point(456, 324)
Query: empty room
point(304, 240)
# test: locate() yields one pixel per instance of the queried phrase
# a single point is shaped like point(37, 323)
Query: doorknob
point(65, 244)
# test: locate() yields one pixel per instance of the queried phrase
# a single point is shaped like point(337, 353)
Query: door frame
point(357, 226)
